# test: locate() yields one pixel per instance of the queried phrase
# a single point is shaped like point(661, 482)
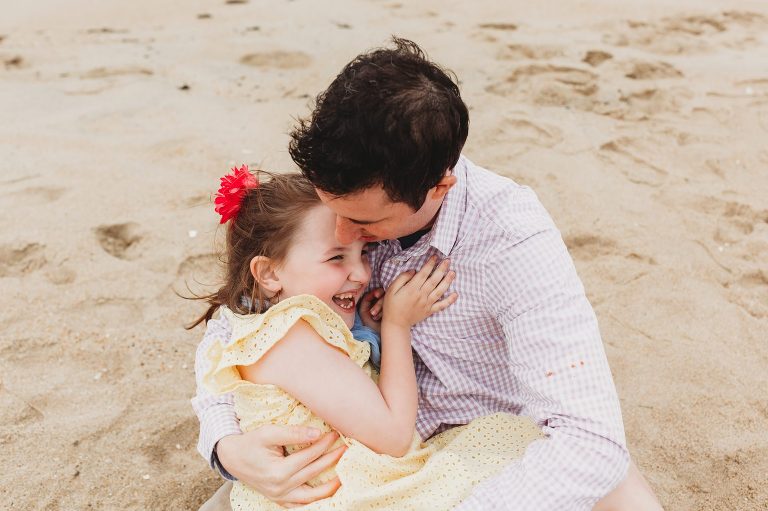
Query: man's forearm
point(569, 471)
point(216, 422)
point(216, 413)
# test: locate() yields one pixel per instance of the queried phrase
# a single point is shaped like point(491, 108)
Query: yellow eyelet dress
point(434, 475)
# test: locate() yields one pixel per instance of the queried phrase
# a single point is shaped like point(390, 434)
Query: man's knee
point(220, 500)
point(632, 494)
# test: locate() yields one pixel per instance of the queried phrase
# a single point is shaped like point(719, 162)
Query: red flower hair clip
point(233, 188)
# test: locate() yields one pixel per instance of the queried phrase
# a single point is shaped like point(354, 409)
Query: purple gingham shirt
point(522, 338)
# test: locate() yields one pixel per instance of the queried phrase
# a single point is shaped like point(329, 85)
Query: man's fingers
point(444, 303)
point(377, 306)
point(300, 459)
point(315, 468)
point(306, 494)
point(366, 301)
point(289, 435)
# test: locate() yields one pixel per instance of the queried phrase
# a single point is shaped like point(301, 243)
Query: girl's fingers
point(421, 276)
point(442, 287)
point(444, 303)
point(437, 275)
point(400, 281)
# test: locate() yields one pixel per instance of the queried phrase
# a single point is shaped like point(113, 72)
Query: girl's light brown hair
point(266, 225)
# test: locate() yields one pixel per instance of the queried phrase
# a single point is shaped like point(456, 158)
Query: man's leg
point(220, 499)
point(632, 494)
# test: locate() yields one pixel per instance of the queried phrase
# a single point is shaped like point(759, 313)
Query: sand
point(642, 125)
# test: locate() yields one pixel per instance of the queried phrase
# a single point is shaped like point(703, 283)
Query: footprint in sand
point(652, 71)
point(43, 194)
point(112, 311)
point(645, 103)
point(197, 264)
point(498, 26)
point(277, 59)
point(589, 246)
point(16, 62)
point(196, 273)
point(736, 221)
point(750, 292)
point(16, 410)
point(16, 261)
point(550, 85)
point(104, 72)
point(628, 155)
point(526, 133)
point(529, 52)
point(61, 275)
point(685, 34)
point(120, 240)
point(596, 57)
point(740, 243)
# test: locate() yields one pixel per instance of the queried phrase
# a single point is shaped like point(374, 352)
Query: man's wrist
point(216, 462)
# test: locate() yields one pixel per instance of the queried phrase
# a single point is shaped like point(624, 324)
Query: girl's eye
point(336, 258)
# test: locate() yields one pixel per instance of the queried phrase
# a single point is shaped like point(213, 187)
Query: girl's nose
point(360, 272)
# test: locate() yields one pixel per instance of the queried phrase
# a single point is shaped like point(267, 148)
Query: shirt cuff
point(216, 465)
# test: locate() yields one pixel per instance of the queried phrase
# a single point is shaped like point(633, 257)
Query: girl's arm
point(330, 384)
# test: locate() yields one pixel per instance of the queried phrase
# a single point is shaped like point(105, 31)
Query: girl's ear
point(263, 271)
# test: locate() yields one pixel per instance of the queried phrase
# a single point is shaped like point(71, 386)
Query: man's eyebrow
point(364, 222)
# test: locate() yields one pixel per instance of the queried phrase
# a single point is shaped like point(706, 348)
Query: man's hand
point(257, 459)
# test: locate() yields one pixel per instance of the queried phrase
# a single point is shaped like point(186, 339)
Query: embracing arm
point(330, 384)
point(216, 413)
point(256, 457)
point(566, 386)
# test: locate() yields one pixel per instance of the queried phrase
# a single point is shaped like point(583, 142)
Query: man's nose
point(346, 231)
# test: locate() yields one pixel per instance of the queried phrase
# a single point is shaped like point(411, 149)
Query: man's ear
point(442, 187)
point(263, 270)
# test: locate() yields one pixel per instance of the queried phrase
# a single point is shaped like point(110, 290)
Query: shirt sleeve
point(216, 413)
point(558, 358)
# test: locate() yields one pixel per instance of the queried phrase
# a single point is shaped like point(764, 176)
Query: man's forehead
point(375, 194)
point(367, 205)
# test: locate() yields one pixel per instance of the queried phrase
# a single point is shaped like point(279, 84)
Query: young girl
point(290, 295)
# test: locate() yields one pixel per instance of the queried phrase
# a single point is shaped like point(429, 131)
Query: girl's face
point(319, 265)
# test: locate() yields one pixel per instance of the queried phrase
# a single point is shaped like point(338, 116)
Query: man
point(383, 149)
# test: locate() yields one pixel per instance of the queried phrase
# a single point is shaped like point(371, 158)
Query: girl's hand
point(416, 295)
point(370, 300)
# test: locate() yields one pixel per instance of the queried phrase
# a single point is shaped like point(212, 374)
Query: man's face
point(370, 215)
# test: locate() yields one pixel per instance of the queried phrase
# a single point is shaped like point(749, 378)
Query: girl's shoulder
point(272, 325)
point(253, 335)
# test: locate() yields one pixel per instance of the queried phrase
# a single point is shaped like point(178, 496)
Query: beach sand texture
point(642, 125)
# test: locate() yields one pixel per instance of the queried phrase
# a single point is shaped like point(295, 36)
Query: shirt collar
point(445, 232)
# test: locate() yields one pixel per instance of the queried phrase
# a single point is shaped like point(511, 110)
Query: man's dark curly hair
point(390, 118)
